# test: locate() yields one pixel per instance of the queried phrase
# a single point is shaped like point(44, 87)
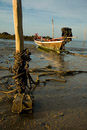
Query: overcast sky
point(38, 15)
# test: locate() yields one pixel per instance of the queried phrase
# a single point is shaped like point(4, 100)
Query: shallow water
point(60, 62)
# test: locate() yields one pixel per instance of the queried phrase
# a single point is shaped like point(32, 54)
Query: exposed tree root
point(40, 73)
point(57, 80)
point(4, 68)
point(55, 72)
point(8, 92)
point(8, 76)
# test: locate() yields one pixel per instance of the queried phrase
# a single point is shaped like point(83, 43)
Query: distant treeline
point(6, 35)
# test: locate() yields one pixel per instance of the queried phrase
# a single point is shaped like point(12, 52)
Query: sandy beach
point(60, 104)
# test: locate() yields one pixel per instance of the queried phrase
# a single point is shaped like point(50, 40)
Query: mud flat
point(60, 102)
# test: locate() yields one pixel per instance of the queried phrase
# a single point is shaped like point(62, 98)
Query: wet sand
point(57, 105)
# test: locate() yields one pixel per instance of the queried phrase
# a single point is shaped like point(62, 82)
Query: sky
point(38, 15)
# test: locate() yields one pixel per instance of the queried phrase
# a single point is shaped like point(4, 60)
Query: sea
point(58, 61)
point(81, 45)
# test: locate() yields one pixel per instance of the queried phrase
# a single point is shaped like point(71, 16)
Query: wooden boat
point(56, 44)
point(52, 44)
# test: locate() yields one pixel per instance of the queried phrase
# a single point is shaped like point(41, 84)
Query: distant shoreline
point(6, 35)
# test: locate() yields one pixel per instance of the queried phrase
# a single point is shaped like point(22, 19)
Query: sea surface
point(72, 44)
point(60, 62)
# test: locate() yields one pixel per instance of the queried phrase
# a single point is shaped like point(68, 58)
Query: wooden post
point(17, 12)
point(23, 80)
point(52, 29)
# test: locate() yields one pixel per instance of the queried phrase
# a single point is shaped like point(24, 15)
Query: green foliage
point(47, 37)
point(6, 35)
point(28, 38)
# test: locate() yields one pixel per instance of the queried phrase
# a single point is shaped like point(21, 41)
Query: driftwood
point(8, 92)
point(50, 72)
point(4, 68)
point(8, 76)
point(45, 72)
point(41, 72)
point(55, 80)
point(18, 75)
point(5, 86)
point(75, 54)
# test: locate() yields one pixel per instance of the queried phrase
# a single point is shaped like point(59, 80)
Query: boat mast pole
point(52, 28)
point(17, 12)
point(84, 34)
point(84, 37)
